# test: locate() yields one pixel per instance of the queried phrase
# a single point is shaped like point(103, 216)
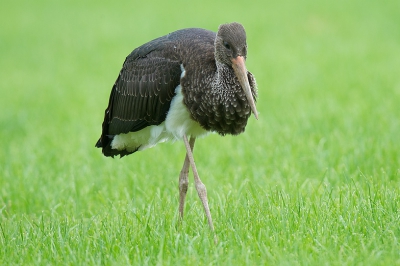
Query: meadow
point(315, 181)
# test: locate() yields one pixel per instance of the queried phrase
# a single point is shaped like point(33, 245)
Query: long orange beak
point(238, 65)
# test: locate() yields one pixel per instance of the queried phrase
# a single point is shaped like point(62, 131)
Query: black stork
point(184, 84)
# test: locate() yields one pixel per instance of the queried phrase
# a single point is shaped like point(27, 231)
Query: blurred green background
point(329, 93)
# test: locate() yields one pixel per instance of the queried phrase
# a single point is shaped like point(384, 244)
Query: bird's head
point(230, 43)
point(231, 50)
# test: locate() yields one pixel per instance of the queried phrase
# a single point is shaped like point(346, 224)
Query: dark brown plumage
point(186, 83)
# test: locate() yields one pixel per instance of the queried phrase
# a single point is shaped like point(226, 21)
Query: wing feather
point(137, 96)
point(141, 95)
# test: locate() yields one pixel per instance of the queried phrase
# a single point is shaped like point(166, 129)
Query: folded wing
point(141, 95)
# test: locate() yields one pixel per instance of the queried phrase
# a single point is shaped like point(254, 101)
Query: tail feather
point(110, 152)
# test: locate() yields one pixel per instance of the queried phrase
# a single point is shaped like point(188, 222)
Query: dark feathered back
point(143, 91)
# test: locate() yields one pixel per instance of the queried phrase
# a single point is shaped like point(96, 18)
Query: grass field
point(316, 181)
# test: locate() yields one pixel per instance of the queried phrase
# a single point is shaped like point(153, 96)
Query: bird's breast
point(218, 105)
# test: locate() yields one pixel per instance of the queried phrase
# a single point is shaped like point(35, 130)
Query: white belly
point(177, 124)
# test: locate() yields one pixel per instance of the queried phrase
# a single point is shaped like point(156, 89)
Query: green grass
point(316, 181)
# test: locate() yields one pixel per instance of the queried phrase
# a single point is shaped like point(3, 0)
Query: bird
point(180, 87)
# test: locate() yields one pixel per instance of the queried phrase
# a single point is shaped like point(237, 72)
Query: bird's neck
point(223, 74)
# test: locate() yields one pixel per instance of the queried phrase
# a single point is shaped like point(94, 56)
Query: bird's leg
point(184, 180)
point(200, 187)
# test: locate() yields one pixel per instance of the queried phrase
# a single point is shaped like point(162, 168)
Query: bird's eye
point(227, 46)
